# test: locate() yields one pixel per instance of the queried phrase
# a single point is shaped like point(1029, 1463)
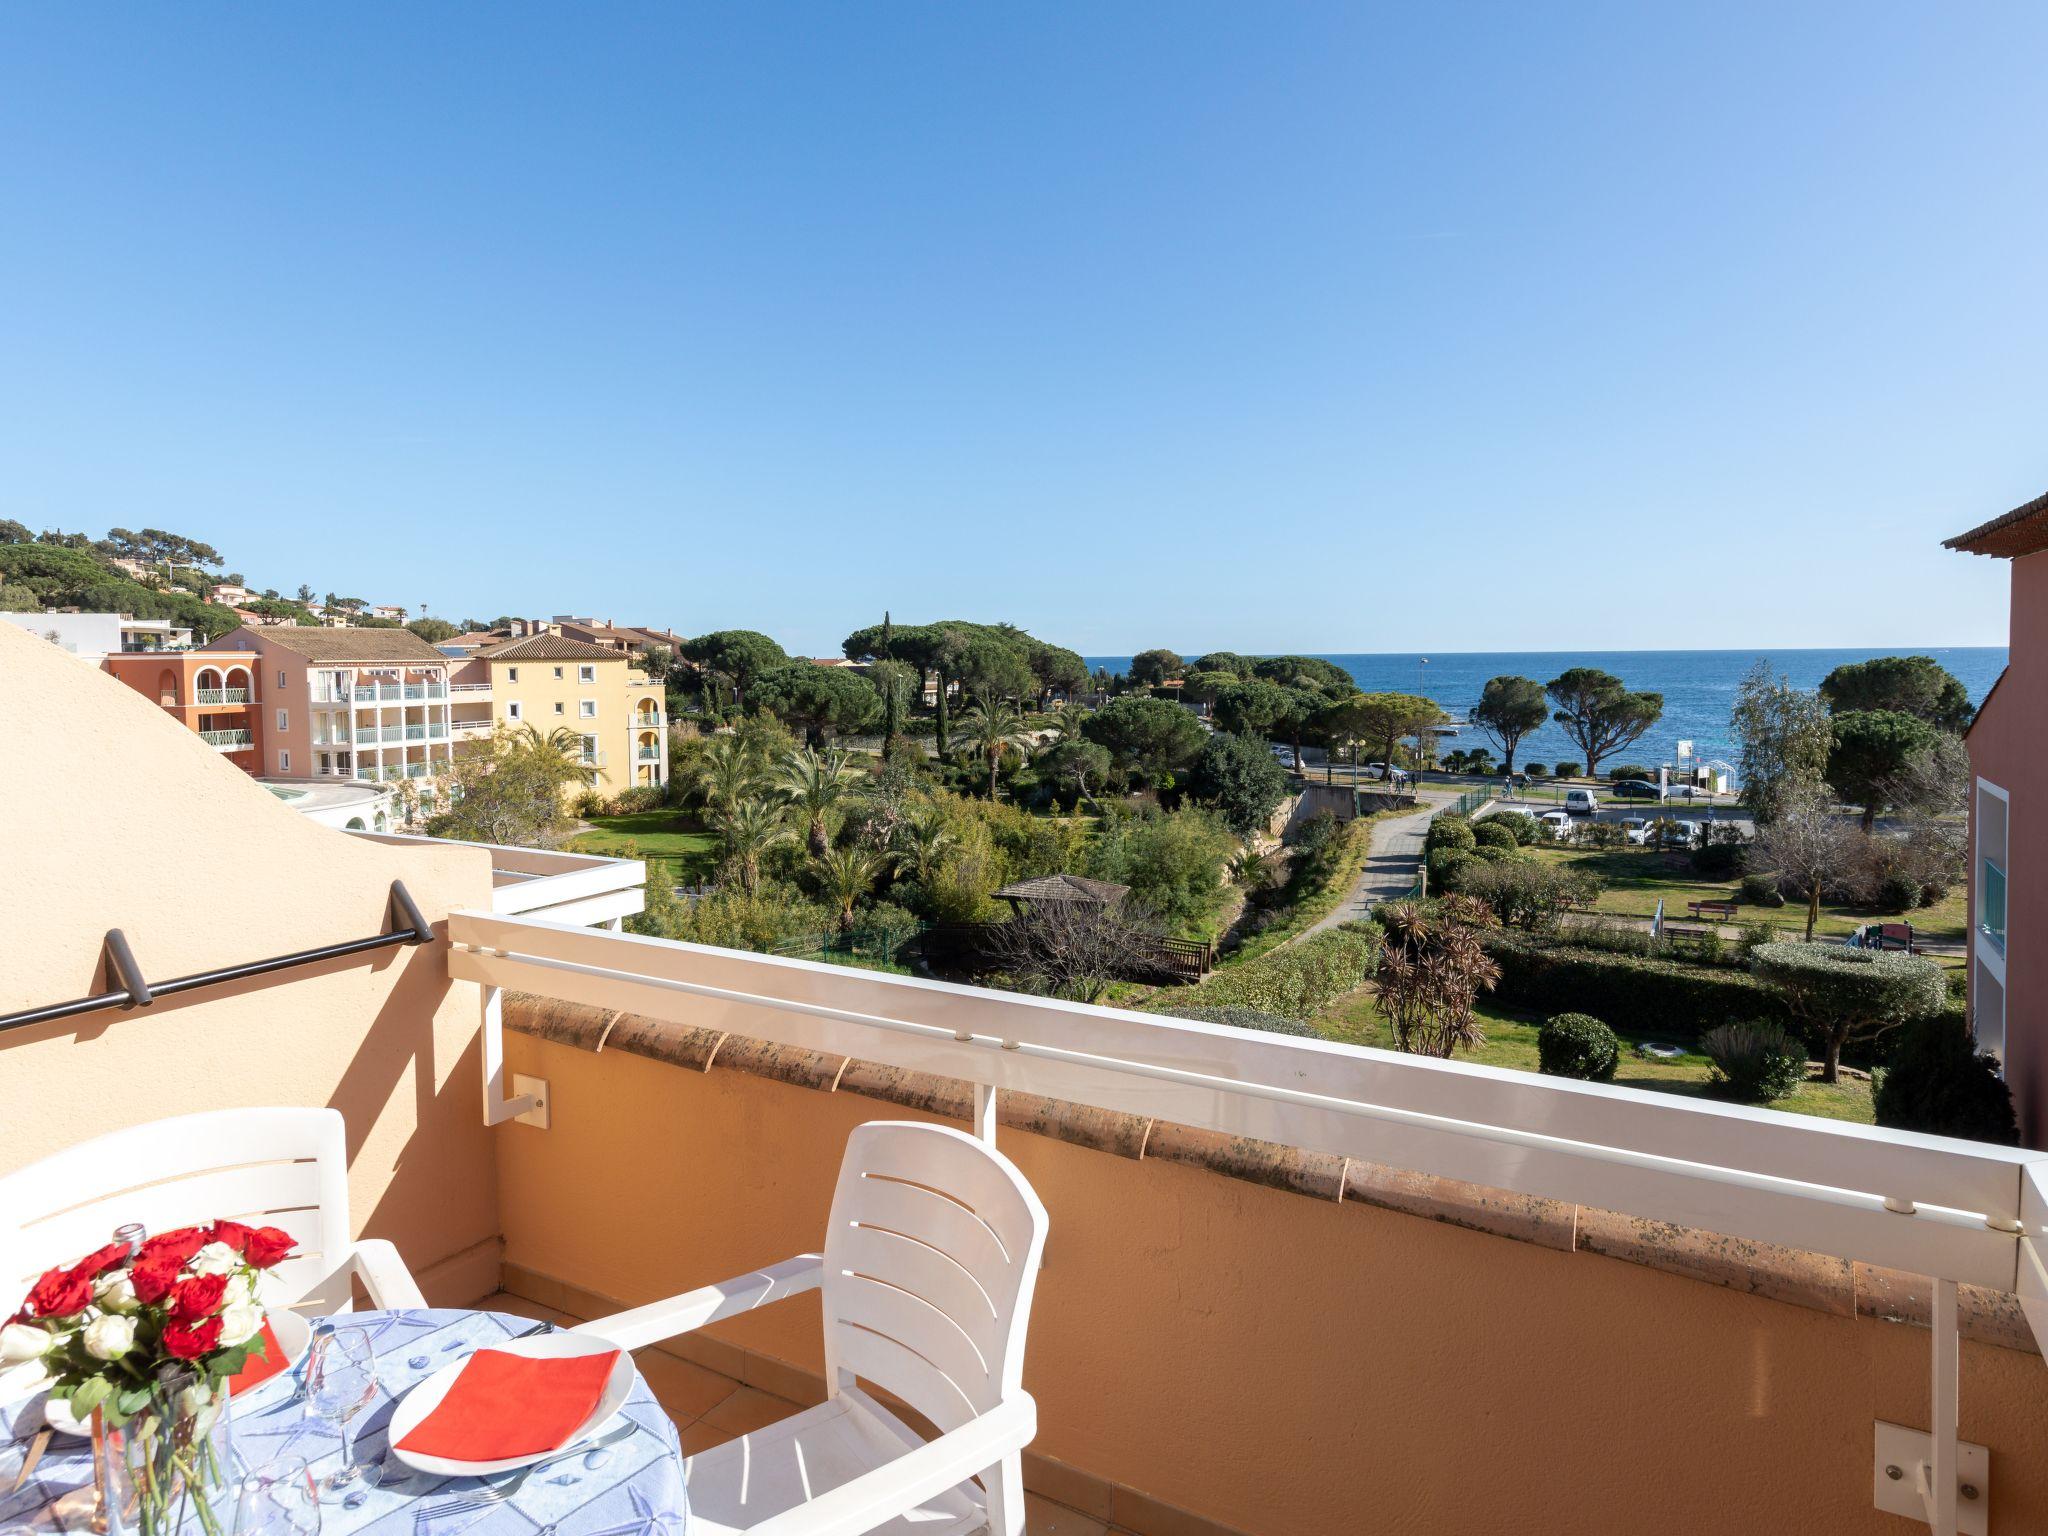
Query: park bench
point(1720, 909)
point(1686, 931)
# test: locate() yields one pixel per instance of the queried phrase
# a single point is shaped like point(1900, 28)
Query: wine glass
point(341, 1381)
point(279, 1498)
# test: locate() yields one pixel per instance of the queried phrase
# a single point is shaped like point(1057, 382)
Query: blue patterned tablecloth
point(631, 1485)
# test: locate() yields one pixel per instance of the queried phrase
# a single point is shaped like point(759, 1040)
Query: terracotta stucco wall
point(2008, 746)
point(1284, 1365)
point(118, 817)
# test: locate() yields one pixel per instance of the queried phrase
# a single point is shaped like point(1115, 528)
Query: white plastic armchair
point(285, 1168)
point(930, 1260)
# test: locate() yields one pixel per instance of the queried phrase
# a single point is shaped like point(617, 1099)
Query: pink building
point(2008, 745)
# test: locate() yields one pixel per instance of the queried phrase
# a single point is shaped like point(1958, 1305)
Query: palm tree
point(1066, 722)
point(752, 829)
point(816, 781)
point(995, 726)
point(559, 754)
point(848, 874)
point(922, 842)
point(729, 773)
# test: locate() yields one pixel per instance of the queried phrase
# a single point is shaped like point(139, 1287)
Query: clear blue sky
point(1304, 327)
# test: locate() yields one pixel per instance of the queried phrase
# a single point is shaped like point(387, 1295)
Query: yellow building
point(552, 683)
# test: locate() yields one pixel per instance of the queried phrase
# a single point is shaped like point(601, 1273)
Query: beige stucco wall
point(1284, 1365)
point(538, 691)
point(117, 817)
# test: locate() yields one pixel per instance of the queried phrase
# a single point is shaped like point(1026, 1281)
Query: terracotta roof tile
point(549, 648)
point(319, 644)
point(2021, 531)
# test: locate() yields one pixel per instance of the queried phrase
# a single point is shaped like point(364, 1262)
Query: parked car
point(1636, 789)
point(1635, 828)
point(1679, 834)
point(1374, 771)
point(1558, 825)
point(1283, 754)
point(1581, 802)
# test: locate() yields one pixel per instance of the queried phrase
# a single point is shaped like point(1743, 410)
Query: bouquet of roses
point(113, 1327)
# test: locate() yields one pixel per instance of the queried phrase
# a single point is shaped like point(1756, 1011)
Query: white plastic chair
point(285, 1168)
point(926, 1281)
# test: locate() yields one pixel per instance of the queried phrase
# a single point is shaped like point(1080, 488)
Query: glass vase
point(167, 1466)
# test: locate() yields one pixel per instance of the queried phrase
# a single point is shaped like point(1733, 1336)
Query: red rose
point(97, 1263)
point(233, 1234)
point(60, 1293)
point(200, 1296)
point(153, 1279)
point(176, 1246)
point(267, 1246)
point(188, 1341)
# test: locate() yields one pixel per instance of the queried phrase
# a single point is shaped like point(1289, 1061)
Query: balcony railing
point(436, 729)
point(226, 741)
point(366, 735)
point(415, 733)
point(650, 754)
point(469, 690)
point(223, 695)
point(648, 719)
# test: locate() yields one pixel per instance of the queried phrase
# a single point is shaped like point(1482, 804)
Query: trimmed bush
point(1495, 833)
point(1239, 1017)
point(1939, 1083)
point(1630, 771)
point(1841, 994)
point(1295, 981)
point(1577, 1045)
point(1641, 994)
point(1568, 770)
point(1523, 893)
point(1449, 832)
point(1755, 1062)
point(1762, 891)
point(1898, 892)
point(1536, 770)
point(1524, 826)
point(1718, 859)
point(1443, 865)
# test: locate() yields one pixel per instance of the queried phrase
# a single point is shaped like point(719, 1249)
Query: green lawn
point(1634, 879)
point(1511, 1042)
point(662, 837)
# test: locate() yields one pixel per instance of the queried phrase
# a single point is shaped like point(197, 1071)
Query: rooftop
point(549, 648)
point(325, 645)
point(2022, 531)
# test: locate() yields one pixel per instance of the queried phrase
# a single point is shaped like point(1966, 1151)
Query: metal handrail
point(410, 926)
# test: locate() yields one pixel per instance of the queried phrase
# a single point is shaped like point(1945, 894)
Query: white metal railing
point(366, 735)
point(415, 690)
point(469, 690)
point(437, 690)
point(223, 695)
point(565, 887)
point(650, 754)
point(1928, 1205)
point(228, 739)
point(415, 733)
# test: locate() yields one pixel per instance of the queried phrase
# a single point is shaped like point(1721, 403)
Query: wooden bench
point(1721, 909)
point(1683, 931)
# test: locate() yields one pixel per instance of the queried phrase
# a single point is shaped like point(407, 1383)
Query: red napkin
point(511, 1405)
point(259, 1368)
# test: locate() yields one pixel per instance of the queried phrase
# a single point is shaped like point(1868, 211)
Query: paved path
point(1391, 865)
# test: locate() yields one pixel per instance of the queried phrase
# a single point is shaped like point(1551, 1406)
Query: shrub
point(1933, 893)
point(1444, 866)
point(1761, 891)
point(1719, 856)
point(1536, 770)
point(1578, 1045)
point(641, 797)
point(1630, 771)
point(1449, 831)
point(1237, 1016)
point(1755, 1062)
point(1298, 980)
point(1940, 1083)
point(1639, 992)
point(1841, 994)
point(1526, 828)
point(1568, 770)
point(1494, 833)
point(1525, 894)
point(589, 803)
point(1898, 892)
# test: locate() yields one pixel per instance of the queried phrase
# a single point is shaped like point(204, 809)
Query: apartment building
point(553, 683)
point(627, 638)
point(94, 635)
point(214, 693)
point(2008, 741)
point(367, 704)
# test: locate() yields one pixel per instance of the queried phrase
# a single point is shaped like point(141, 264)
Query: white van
point(1581, 802)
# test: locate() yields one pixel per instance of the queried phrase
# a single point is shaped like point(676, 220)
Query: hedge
point(1296, 981)
point(1635, 994)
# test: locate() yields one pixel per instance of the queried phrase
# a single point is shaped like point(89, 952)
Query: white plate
point(293, 1334)
point(426, 1397)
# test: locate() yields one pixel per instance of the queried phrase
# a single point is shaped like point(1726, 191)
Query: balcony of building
point(1291, 1287)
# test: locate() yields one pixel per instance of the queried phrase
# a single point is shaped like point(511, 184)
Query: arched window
point(167, 688)
point(383, 822)
point(238, 677)
point(207, 678)
point(355, 824)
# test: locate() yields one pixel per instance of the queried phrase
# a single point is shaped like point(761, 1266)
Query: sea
point(1698, 687)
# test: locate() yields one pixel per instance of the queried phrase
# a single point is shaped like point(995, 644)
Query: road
point(1391, 864)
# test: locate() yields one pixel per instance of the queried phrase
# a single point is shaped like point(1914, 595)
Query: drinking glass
point(341, 1381)
point(279, 1498)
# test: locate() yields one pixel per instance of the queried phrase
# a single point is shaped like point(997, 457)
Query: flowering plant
point(115, 1324)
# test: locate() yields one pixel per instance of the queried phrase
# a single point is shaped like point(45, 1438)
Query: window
point(558, 672)
point(1987, 1010)
point(283, 721)
point(284, 762)
point(590, 749)
point(280, 677)
point(1992, 812)
point(586, 674)
point(326, 763)
point(511, 674)
point(512, 711)
point(560, 707)
point(589, 709)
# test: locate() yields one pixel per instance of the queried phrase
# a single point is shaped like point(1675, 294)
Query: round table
point(630, 1484)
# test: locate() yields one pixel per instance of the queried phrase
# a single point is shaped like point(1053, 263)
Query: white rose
point(21, 1341)
point(215, 1259)
point(109, 1337)
point(241, 1288)
point(239, 1324)
point(116, 1292)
